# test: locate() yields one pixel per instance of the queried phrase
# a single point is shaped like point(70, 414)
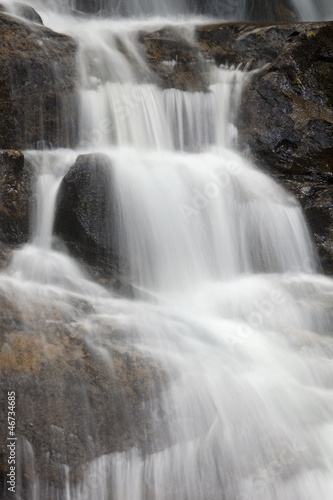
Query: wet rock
point(316, 198)
point(287, 113)
point(261, 10)
point(175, 61)
point(27, 12)
point(286, 118)
point(87, 214)
point(179, 61)
point(16, 198)
point(88, 6)
point(246, 44)
point(37, 86)
point(59, 369)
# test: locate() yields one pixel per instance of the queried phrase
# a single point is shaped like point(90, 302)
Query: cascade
point(264, 10)
point(229, 298)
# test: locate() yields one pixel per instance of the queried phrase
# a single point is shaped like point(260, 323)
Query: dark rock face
point(16, 197)
point(260, 10)
point(175, 62)
point(37, 86)
point(286, 119)
point(316, 198)
point(287, 112)
point(86, 215)
point(247, 44)
point(58, 374)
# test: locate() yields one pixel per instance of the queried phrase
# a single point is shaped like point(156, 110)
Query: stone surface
point(316, 198)
point(77, 396)
point(87, 214)
point(287, 113)
point(260, 10)
point(27, 12)
point(16, 198)
point(286, 118)
point(175, 60)
point(37, 86)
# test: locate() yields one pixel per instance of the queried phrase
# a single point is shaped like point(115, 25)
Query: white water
point(240, 318)
point(307, 10)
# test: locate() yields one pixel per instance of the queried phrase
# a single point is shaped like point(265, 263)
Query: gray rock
point(27, 12)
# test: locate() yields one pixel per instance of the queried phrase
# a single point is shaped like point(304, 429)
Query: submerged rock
point(37, 86)
point(16, 197)
point(77, 397)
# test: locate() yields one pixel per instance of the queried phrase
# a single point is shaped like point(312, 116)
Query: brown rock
point(16, 197)
point(175, 61)
point(76, 399)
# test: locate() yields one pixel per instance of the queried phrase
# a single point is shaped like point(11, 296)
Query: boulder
point(37, 86)
point(175, 61)
point(286, 117)
point(16, 198)
point(76, 399)
point(26, 11)
point(86, 216)
point(316, 198)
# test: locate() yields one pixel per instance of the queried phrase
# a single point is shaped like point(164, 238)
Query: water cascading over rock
point(207, 373)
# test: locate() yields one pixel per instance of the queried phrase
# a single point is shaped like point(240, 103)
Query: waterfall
point(231, 302)
point(306, 10)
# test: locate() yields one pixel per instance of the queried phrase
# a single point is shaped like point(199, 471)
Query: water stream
point(236, 310)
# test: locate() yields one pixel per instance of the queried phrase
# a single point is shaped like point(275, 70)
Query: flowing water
point(235, 309)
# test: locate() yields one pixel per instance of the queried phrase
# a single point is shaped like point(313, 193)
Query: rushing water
point(234, 307)
point(306, 10)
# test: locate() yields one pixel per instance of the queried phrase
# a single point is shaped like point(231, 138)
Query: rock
point(27, 12)
point(261, 10)
point(88, 6)
point(316, 198)
point(76, 399)
point(286, 118)
point(287, 113)
point(37, 86)
point(175, 61)
point(178, 61)
point(86, 216)
point(16, 197)
point(246, 44)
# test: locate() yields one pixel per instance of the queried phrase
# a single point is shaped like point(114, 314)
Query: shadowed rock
point(87, 217)
point(37, 86)
point(16, 197)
